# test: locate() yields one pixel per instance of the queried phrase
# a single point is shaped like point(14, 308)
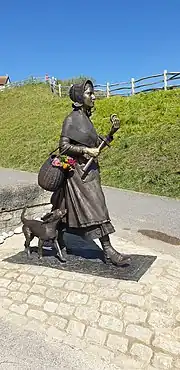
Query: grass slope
point(145, 155)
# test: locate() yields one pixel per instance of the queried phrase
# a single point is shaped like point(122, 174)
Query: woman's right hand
point(92, 152)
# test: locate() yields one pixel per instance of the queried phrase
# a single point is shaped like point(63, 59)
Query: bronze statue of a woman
point(84, 200)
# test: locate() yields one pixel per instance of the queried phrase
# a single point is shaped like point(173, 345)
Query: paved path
point(98, 323)
point(28, 350)
point(131, 212)
point(142, 211)
point(128, 209)
point(13, 177)
point(63, 320)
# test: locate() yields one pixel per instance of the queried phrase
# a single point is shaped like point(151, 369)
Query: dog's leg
point(28, 237)
point(27, 247)
point(40, 245)
point(59, 252)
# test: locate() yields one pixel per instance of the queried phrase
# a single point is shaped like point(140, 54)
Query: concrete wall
point(19, 189)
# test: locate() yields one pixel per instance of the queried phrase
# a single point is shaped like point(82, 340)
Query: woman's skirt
point(87, 213)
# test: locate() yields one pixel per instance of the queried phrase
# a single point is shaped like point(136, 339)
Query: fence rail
point(160, 81)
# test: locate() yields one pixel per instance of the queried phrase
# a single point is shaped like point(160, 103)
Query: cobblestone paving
point(128, 324)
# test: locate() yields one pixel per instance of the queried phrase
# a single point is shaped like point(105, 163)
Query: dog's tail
point(22, 215)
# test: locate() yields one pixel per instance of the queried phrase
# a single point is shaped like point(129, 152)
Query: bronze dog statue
point(45, 230)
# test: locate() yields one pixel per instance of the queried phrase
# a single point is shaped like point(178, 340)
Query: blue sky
point(111, 42)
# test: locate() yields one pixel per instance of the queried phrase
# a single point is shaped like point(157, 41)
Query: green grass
point(145, 155)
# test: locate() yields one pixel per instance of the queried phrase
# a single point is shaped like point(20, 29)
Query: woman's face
point(88, 96)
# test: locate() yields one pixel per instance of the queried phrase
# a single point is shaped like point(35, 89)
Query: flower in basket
point(65, 162)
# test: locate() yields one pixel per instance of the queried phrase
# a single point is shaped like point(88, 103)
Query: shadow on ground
point(84, 256)
point(158, 235)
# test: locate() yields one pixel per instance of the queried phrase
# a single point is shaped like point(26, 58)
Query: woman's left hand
point(115, 124)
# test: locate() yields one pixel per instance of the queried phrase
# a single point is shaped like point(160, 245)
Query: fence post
point(165, 79)
point(60, 92)
point(108, 90)
point(132, 86)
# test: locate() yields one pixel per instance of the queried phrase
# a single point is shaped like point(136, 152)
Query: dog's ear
point(47, 216)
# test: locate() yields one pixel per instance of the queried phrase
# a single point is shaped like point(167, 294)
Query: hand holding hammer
point(94, 152)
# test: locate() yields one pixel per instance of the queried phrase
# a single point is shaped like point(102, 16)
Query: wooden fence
point(161, 81)
point(30, 80)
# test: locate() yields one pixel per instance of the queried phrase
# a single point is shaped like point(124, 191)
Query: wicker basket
point(51, 178)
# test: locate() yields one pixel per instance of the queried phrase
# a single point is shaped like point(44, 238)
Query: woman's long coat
point(83, 199)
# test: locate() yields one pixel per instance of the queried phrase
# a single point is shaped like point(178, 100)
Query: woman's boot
point(111, 254)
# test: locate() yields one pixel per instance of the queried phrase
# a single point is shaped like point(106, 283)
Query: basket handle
point(54, 150)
